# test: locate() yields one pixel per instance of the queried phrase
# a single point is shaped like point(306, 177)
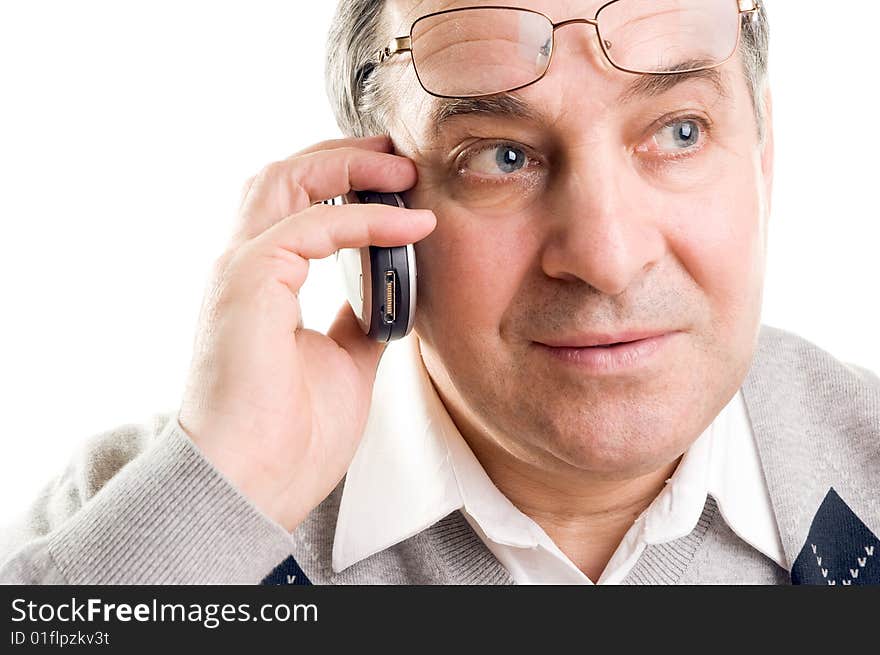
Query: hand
point(278, 409)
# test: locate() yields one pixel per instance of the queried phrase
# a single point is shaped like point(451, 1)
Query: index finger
point(377, 142)
point(290, 186)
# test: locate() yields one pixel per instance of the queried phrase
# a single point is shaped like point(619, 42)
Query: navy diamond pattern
point(287, 573)
point(840, 549)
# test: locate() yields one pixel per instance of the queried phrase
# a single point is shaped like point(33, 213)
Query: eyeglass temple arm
point(398, 44)
point(749, 7)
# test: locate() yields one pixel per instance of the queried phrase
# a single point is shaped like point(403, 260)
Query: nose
point(599, 232)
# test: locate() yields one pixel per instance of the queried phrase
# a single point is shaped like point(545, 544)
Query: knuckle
point(274, 169)
point(278, 264)
point(278, 185)
point(287, 173)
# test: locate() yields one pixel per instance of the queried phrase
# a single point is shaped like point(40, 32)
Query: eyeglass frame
point(401, 44)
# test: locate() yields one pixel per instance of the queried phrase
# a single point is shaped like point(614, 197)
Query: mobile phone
point(380, 283)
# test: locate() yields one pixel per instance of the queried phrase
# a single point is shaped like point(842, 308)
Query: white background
point(127, 130)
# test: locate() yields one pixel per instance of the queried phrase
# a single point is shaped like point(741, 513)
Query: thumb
point(347, 333)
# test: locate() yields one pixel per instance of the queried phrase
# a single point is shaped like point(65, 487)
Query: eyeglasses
point(477, 51)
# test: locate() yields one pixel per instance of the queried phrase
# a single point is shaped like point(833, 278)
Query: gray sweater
point(140, 505)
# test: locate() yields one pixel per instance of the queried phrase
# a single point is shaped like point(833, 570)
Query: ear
point(767, 149)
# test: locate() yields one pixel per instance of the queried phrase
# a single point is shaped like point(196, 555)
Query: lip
point(608, 353)
point(587, 340)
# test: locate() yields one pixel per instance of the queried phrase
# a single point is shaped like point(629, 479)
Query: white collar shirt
point(413, 467)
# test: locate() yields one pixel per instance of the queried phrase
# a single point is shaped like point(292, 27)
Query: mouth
point(608, 353)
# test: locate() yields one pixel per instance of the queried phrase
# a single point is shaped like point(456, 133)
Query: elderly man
point(587, 396)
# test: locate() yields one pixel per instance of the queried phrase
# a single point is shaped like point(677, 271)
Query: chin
point(622, 433)
point(612, 449)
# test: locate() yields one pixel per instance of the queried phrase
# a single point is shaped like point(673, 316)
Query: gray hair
point(363, 105)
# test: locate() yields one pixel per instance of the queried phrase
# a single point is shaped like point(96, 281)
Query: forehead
point(409, 10)
point(543, 103)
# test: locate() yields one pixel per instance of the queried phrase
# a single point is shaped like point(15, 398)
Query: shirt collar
point(724, 463)
point(412, 468)
point(400, 481)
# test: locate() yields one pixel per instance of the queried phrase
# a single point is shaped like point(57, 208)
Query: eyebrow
point(508, 105)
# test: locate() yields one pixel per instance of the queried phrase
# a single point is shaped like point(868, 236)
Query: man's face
point(595, 219)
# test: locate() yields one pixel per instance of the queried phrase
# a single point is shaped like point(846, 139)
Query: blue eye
point(498, 160)
point(681, 135)
point(686, 133)
point(509, 159)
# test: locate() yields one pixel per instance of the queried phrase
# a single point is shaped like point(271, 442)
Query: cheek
point(719, 241)
point(469, 273)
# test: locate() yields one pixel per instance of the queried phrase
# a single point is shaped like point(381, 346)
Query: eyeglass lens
point(485, 50)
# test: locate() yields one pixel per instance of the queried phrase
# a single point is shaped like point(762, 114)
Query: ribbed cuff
point(169, 517)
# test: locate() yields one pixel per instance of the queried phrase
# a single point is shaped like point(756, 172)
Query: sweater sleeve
point(140, 504)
